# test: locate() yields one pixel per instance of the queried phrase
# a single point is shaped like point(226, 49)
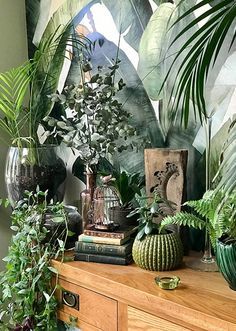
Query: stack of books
point(105, 247)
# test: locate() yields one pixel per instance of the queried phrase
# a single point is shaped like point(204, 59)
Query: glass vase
point(86, 198)
point(27, 168)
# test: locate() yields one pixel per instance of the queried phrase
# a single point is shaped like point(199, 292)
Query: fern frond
point(206, 206)
point(202, 207)
point(185, 219)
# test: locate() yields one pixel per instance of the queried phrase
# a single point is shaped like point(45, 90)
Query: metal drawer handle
point(70, 299)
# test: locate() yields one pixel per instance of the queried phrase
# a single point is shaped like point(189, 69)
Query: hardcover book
point(103, 258)
point(112, 250)
point(102, 240)
point(119, 233)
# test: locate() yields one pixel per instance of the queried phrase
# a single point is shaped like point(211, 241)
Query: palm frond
point(203, 49)
point(49, 59)
point(14, 86)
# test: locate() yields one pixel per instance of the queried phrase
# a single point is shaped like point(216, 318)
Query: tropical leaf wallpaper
point(141, 29)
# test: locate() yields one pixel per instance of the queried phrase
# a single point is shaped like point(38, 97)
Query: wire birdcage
point(104, 200)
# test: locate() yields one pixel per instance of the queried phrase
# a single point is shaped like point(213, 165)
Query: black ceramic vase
point(27, 168)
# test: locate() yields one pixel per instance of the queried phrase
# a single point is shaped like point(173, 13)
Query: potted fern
point(215, 212)
point(155, 247)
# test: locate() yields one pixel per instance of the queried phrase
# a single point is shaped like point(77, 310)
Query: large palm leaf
point(48, 61)
point(207, 43)
point(39, 76)
point(205, 48)
point(14, 85)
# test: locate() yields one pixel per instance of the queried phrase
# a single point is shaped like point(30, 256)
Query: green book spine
point(111, 250)
point(103, 258)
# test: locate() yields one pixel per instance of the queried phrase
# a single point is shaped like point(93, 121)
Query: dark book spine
point(103, 258)
point(111, 250)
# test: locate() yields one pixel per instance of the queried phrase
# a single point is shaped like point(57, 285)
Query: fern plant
point(215, 212)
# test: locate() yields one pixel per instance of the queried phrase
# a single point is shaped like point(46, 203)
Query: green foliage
point(150, 212)
point(97, 124)
point(204, 46)
point(127, 186)
point(152, 48)
point(24, 90)
point(185, 219)
point(227, 169)
point(215, 211)
point(27, 299)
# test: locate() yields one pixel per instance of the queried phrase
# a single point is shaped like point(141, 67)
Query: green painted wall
point(13, 52)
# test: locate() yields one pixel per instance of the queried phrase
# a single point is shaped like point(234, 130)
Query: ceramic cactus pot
point(226, 261)
point(158, 252)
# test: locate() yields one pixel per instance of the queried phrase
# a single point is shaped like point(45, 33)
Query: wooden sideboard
point(120, 298)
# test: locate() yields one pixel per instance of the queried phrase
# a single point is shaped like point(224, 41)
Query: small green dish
point(167, 283)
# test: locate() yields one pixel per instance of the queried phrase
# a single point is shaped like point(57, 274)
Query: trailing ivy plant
point(27, 299)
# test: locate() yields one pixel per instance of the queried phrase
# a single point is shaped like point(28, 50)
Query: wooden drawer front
point(83, 326)
point(93, 308)
point(139, 320)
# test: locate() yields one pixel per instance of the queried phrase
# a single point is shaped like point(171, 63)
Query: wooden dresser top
point(201, 296)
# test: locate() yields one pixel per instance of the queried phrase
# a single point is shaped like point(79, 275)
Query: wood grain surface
point(203, 301)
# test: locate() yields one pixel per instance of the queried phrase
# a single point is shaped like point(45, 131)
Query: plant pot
point(119, 216)
point(58, 230)
point(27, 168)
point(158, 252)
point(226, 260)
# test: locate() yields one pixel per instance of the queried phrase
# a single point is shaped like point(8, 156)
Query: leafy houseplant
point(97, 125)
point(155, 248)
point(127, 186)
point(24, 90)
point(199, 54)
point(24, 103)
point(216, 212)
point(27, 293)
